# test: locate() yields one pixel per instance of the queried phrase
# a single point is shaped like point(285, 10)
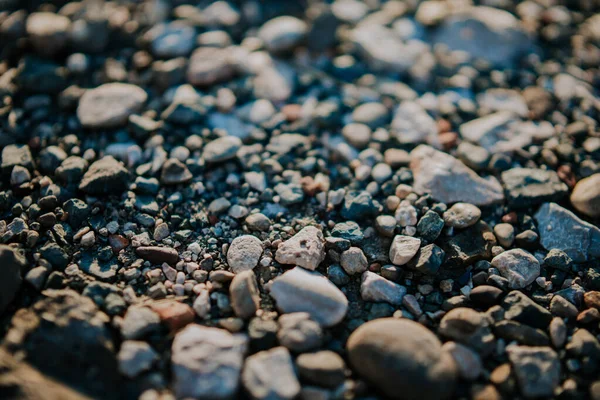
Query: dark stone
point(78, 211)
point(11, 263)
point(428, 259)
point(55, 255)
point(348, 230)
point(105, 176)
point(511, 330)
point(558, 259)
point(359, 206)
point(525, 187)
point(486, 295)
point(158, 255)
point(323, 368)
point(522, 309)
point(430, 226)
point(469, 246)
point(262, 333)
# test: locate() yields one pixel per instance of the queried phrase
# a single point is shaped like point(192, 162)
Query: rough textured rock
point(298, 290)
point(305, 249)
point(586, 196)
point(221, 149)
point(11, 263)
point(110, 105)
point(244, 253)
point(518, 266)
point(560, 229)
point(378, 289)
point(106, 175)
point(525, 187)
point(207, 362)
point(449, 180)
point(210, 65)
point(270, 375)
point(537, 369)
point(402, 359)
point(403, 249)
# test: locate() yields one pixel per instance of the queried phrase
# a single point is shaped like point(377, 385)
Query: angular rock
point(106, 175)
point(221, 149)
point(518, 266)
point(469, 246)
point(449, 180)
point(354, 261)
point(537, 370)
point(270, 375)
point(245, 297)
point(175, 172)
point(305, 249)
point(135, 357)
point(403, 249)
point(525, 187)
point(244, 253)
point(413, 125)
point(110, 105)
point(299, 290)
point(376, 288)
point(469, 327)
point(494, 132)
point(15, 154)
point(428, 259)
point(299, 333)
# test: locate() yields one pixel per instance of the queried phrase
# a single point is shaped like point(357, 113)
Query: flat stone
point(299, 290)
point(376, 288)
point(16, 154)
point(525, 187)
point(171, 40)
point(537, 370)
point(282, 33)
point(221, 149)
point(518, 266)
point(413, 125)
point(449, 180)
point(110, 105)
point(207, 362)
point(586, 196)
point(48, 32)
point(402, 359)
point(495, 132)
point(106, 175)
point(322, 368)
point(158, 255)
point(305, 249)
point(403, 249)
point(560, 229)
point(270, 375)
point(245, 297)
point(244, 253)
point(138, 322)
point(469, 246)
point(520, 308)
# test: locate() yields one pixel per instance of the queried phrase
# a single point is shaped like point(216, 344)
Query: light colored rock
point(270, 375)
point(354, 261)
point(462, 215)
point(376, 288)
point(537, 370)
point(403, 249)
point(413, 125)
point(110, 105)
point(305, 249)
point(245, 297)
point(518, 266)
point(135, 357)
point(586, 196)
point(244, 253)
point(282, 33)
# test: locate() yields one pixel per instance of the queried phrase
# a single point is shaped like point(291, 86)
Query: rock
point(372, 114)
point(413, 125)
point(378, 289)
point(270, 375)
point(202, 304)
point(561, 307)
point(518, 266)
point(462, 215)
point(403, 249)
point(525, 187)
point(275, 82)
point(521, 333)
point(354, 261)
point(385, 225)
point(537, 370)
point(298, 290)
point(48, 32)
point(158, 255)
point(55, 254)
point(19, 175)
point(592, 299)
point(12, 262)
point(171, 40)
point(323, 368)
point(520, 308)
point(359, 205)
point(110, 105)
point(469, 327)
point(558, 259)
point(469, 246)
point(305, 249)
point(283, 33)
point(221, 149)
point(172, 313)
point(15, 154)
point(430, 226)
point(586, 196)
point(560, 229)
point(495, 35)
point(207, 362)
point(135, 357)
point(468, 362)
point(449, 180)
point(175, 172)
point(106, 175)
point(244, 253)
point(290, 193)
point(428, 259)
point(210, 65)
point(71, 169)
point(138, 322)
point(402, 359)
point(496, 132)
point(505, 233)
point(299, 333)
point(558, 332)
point(245, 297)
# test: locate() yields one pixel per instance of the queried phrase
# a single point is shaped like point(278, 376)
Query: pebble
point(354, 261)
point(171, 40)
point(586, 196)
point(221, 149)
point(468, 327)
point(372, 115)
point(462, 215)
point(48, 32)
point(299, 290)
point(428, 259)
point(468, 362)
point(322, 368)
point(283, 33)
point(558, 332)
point(378, 289)
point(449, 180)
point(174, 172)
point(413, 125)
point(526, 187)
point(110, 105)
point(106, 175)
point(19, 175)
point(138, 322)
point(537, 370)
point(403, 359)
point(518, 266)
point(135, 357)
point(299, 333)
point(521, 308)
point(158, 255)
point(403, 249)
point(505, 233)
point(210, 65)
point(206, 363)
point(430, 226)
point(305, 249)
point(270, 374)
point(245, 297)
point(244, 253)
point(258, 222)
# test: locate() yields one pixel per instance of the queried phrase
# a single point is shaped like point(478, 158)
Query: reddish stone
point(118, 242)
point(510, 218)
point(565, 173)
point(292, 112)
point(173, 314)
point(592, 299)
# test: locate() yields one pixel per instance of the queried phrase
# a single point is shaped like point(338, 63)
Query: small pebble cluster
point(310, 200)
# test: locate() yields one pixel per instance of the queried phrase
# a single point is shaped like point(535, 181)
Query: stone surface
point(518, 266)
point(244, 253)
point(449, 180)
point(413, 125)
point(210, 65)
point(298, 290)
point(282, 33)
point(221, 149)
point(525, 187)
point(378, 289)
point(354, 261)
point(537, 369)
point(402, 360)
point(322, 368)
point(270, 375)
point(105, 176)
point(403, 249)
point(305, 249)
point(462, 215)
point(135, 357)
point(158, 255)
point(11, 262)
point(298, 332)
point(207, 362)
point(586, 196)
point(245, 297)
point(110, 105)
point(560, 229)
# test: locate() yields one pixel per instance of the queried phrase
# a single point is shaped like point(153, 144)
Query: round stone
point(282, 33)
point(586, 196)
point(462, 215)
point(244, 253)
point(110, 105)
point(402, 359)
point(518, 266)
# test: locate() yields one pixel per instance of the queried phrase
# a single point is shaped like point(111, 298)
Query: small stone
point(270, 375)
point(371, 114)
point(172, 313)
point(519, 307)
point(468, 362)
point(105, 176)
point(171, 40)
point(385, 225)
point(305, 249)
point(282, 33)
point(245, 297)
point(221, 149)
point(299, 333)
point(175, 172)
point(558, 259)
point(430, 226)
point(258, 222)
point(558, 332)
point(428, 259)
point(207, 362)
point(110, 105)
point(592, 299)
point(299, 290)
point(586, 196)
point(537, 369)
point(12, 262)
point(525, 187)
point(135, 357)
point(462, 215)
point(48, 32)
point(403, 249)
point(518, 266)
point(15, 154)
point(202, 305)
point(505, 233)
point(378, 289)
point(138, 322)
point(19, 175)
point(469, 327)
point(403, 359)
point(413, 125)
point(323, 368)
point(354, 261)
point(158, 255)
point(244, 253)
point(210, 65)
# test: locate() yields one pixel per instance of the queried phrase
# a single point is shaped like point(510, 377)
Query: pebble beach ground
point(310, 200)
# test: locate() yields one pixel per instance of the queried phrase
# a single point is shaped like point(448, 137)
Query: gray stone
point(270, 375)
point(175, 172)
point(210, 65)
point(560, 229)
point(299, 290)
point(110, 105)
point(207, 362)
point(468, 361)
point(525, 187)
point(403, 249)
point(11, 263)
point(244, 253)
point(135, 357)
point(413, 125)
point(282, 33)
point(586, 196)
point(469, 327)
point(106, 175)
point(48, 32)
point(245, 297)
point(221, 149)
point(354, 261)
point(518, 266)
point(537, 370)
point(462, 215)
point(376, 288)
point(299, 333)
point(171, 40)
point(275, 82)
point(495, 132)
point(16, 154)
point(402, 359)
point(305, 249)
point(138, 322)
point(323, 368)
point(449, 180)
